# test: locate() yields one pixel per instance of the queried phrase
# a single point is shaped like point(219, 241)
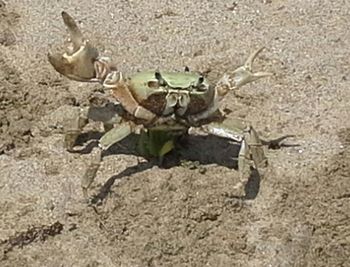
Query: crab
point(161, 105)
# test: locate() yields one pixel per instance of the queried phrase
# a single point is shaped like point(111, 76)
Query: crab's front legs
point(74, 124)
point(109, 115)
point(72, 127)
point(251, 144)
point(113, 136)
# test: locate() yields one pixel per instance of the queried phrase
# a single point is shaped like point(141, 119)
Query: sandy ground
point(297, 214)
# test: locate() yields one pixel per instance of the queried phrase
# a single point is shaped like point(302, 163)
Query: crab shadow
point(205, 150)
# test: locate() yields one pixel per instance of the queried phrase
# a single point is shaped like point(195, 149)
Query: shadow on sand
point(206, 150)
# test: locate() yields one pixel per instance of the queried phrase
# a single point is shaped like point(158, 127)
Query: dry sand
point(296, 215)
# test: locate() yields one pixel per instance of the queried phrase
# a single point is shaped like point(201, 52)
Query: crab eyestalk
point(81, 61)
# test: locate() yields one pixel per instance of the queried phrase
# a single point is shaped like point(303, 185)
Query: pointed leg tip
point(85, 194)
point(260, 49)
point(252, 57)
point(66, 17)
point(263, 74)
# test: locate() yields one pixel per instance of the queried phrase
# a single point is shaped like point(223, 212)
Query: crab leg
point(113, 136)
point(252, 148)
point(72, 128)
point(108, 115)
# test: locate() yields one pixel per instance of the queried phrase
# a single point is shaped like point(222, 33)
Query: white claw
point(249, 62)
point(244, 74)
point(112, 79)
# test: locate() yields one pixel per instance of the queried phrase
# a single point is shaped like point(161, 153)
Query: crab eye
point(200, 85)
point(160, 79)
point(200, 80)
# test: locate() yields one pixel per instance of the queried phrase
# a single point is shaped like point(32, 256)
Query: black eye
point(200, 80)
point(200, 85)
point(158, 75)
point(160, 79)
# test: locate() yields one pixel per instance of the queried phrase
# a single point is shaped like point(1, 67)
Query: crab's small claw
point(78, 62)
point(245, 74)
point(240, 76)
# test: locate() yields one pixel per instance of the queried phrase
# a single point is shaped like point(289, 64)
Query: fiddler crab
point(159, 106)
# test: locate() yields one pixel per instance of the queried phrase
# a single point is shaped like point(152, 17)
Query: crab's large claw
point(78, 62)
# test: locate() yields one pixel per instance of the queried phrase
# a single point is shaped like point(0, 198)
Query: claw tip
point(64, 14)
point(68, 20)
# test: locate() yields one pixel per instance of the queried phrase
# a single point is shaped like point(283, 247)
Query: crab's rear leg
point(109, 115)
point(74, 124)
point(72, 128)
point(113, 136)
point(251, 150)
